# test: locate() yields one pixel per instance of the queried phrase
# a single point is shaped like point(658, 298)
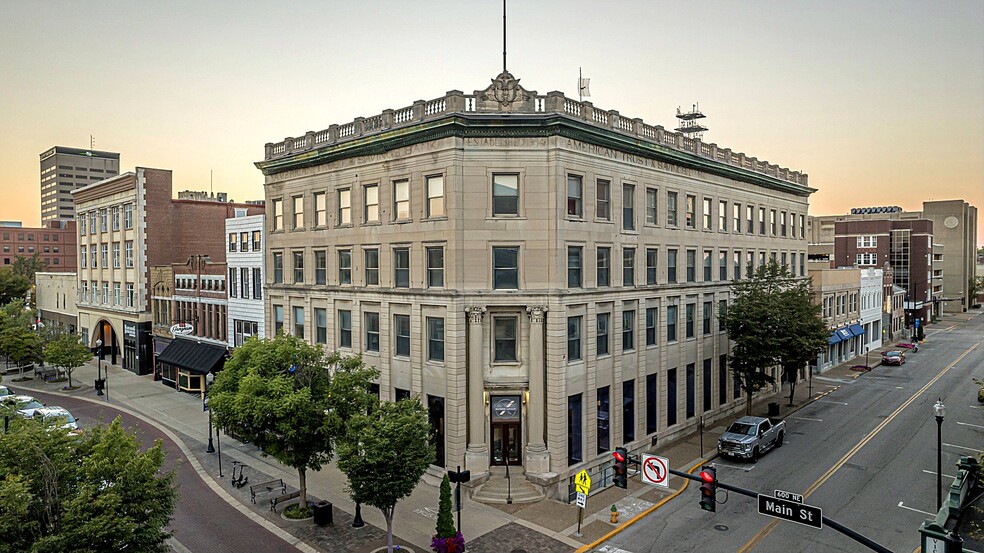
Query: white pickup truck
point(749, 437)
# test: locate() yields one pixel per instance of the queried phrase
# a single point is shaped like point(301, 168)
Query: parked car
point(59, 417)
point(24, 406)
point(893, 357)
point(749, 437)
point(5, 391)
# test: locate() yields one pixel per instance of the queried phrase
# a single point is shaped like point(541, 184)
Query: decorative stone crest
point(505, 94)
point(536, 313)
point(475, 314)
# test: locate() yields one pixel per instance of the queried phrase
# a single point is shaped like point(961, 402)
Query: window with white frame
point(434, 188)
point(401, 200)
point(297, 203)
point(371, 211)
point(129, 294)
point(867, 241)
point(345, 207)
point(320, 209)
point(129, 253)
point(867, 259)
point(505, 195)
point(128, 216)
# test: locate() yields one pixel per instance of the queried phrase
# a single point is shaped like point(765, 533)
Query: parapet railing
point(456, 101)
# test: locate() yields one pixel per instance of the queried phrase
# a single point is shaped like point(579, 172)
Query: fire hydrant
point(614, 515)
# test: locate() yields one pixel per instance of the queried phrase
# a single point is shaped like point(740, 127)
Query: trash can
point(773, 409)
point(322, 513)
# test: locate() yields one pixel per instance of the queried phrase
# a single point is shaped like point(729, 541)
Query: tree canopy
point(771, 322)
point(12, 286)
point(27, 266)
point(384, 455)
point(291, 399)
point(66, 351)
point(90, 493)
point(18, 342)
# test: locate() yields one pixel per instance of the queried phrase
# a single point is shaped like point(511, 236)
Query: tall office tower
point(66, 169)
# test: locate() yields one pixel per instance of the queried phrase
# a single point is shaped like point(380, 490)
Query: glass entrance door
point(505, 443)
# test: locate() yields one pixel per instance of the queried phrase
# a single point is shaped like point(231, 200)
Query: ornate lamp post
point(99, 378)
point(208, 383)
point(940, 411)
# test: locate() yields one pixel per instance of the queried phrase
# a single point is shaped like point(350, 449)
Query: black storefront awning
point(194, 356)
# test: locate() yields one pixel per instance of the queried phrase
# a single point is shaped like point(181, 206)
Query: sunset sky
point(880, 102)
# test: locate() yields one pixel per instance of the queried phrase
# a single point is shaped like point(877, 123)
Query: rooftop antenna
point(92, 142)
point(503, 36)
point(211, 190)
point(688, 122)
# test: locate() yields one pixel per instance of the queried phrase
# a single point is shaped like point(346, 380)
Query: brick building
point(838, 292)
point(54, 243)
point(127, 224)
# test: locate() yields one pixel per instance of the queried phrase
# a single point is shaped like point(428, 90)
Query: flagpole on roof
point(503, 36)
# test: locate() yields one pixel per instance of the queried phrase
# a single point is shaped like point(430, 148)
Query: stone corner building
point(543, 274)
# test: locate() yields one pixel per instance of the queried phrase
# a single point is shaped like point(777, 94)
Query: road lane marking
point(831, 401)
point(765, 531)
point(918, 511)
point(933, 472)
point(962, 447)
point(745, 468)
point(968, 424)
point(805, 419)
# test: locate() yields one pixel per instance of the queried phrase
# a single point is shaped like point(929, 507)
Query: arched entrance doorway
point(110, 341)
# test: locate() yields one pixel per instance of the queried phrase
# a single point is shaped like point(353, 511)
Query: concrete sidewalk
point(547, 526)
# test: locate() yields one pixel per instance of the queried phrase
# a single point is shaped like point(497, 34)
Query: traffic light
point(621, 464)
point(708, 488)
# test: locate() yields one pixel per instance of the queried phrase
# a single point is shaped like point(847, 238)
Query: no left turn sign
point(655, 471)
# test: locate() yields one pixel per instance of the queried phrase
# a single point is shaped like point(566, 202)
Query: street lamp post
point(940, 411)
point(208, 383)
point(99, 378)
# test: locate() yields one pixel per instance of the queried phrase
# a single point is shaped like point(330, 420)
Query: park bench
point(46, 373)
point(266, 487)
point(274, 501)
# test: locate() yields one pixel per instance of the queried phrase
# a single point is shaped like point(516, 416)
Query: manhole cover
point(720, 528)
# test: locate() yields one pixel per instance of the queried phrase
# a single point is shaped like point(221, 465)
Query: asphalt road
point(865, 454)
point(202, 520)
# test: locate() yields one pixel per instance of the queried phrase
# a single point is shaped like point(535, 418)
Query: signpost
point(582, 483)
point(789, 506)
point(655, 470)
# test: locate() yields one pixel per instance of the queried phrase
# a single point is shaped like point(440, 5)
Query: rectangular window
point(116, 217)
point(345, 206)
point(736, 217)
point(802, 226)
point(604, 266)
point(321, 324)
point(505, 268)
point(722, 313)
point(604, 443)
point(628, 207)
point(651, 326)
point(750, 222)
point(506, 332)
point(257, 284)
point(320, 267)
point(708, 307)
point(603, 333)
point(372, 267)
point(707, 381)
point(671, 323)
point(278, 268)
point(671, 209)
point(372, 330)
point(105, 294)
point(401, 267)
point(628, 267)
point(435, 267)
point(707, 265)
point(652, 256)
point(401, 331)
point(278, 319)
point(691, 211)
point(722, 379)
point(671, 265)
point(691, 314)
point(762, 221)
point(749, 264)
point(691, 390)
point(628, 411)
point(723, 216)
point(867, 241)
point(802, 264)
point(707, 215)
point(371, 212)
point(435, 419)
point(671, 397)
point(297, 204)
point(435, 339)
point(575, 452)
point(344, 266)
point(298, 267)
point(233, 241)
point(652, 203)
point(129, 254)
point(83, 258)
point(92, 222)
point(652, 413)
point(782, 224)
point(345, 329)
point(505, 195)
point(257, 241)
point(574, 194)
point(244, 241)
point(628, 330)
point(435, 195)
point(604, 200)
point(772, 222)
point(722, 265)
point(320, 209)
point(574, 338)
point(129, 294)
point(233, 289)
point(244, 282)
point(277, 221)
point(81, 226)
point(401, 200)
point(104, 255)
point(691, 265)
point(117, 296)
point(103, 217)
point(575, 265)
point(299, 322)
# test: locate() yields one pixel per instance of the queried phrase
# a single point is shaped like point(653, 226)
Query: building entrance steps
point(501, 490)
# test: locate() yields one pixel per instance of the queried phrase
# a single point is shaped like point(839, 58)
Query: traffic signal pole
point(867, 542)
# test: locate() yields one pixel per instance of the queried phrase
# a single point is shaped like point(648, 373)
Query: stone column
point(477, 452)
point(537, 456)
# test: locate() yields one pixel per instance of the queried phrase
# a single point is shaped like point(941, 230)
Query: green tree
point(445, 517)
point(67, 352)
point(384, 454)
point(291, 399)
point(771, 322)
point(18, 342)
point(12, 286)
point(27, 266)
point(89, 493)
